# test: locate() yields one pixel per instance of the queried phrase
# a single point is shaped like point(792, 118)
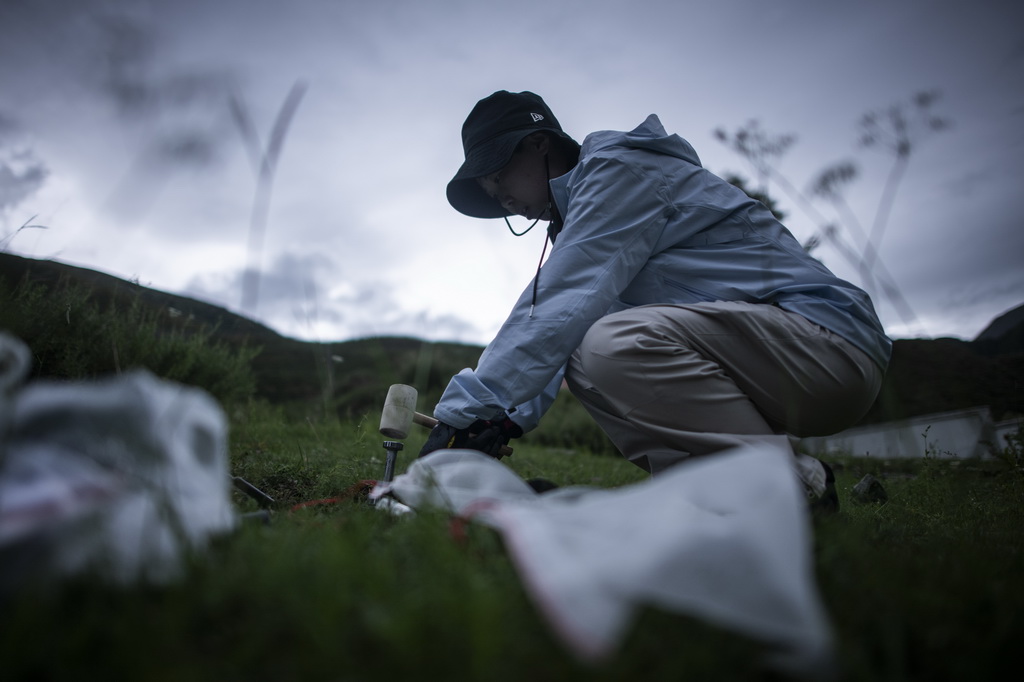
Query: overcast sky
point(117, 136)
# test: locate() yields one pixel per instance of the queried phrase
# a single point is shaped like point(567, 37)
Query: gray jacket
point(645, 223)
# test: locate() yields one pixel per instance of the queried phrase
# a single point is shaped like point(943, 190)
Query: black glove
point(442, 437)
point(490, 436)
point(487, 436)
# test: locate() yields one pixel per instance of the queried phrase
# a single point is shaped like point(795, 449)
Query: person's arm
point(616, 215)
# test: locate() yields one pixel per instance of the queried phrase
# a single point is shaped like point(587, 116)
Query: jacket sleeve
point(618, 206)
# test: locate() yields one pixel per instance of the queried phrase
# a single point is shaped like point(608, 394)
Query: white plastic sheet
point(124, 475)
point(726, 539)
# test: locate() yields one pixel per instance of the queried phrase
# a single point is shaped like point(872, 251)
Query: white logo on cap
point(537, 117)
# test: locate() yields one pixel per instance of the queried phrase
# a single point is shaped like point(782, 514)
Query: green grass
point(928, 585)
point(924, 587)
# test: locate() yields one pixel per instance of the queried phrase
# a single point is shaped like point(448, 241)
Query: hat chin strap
point(547, 173)
point(520, 234)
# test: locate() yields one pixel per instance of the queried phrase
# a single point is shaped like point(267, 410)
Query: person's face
point(522, 185)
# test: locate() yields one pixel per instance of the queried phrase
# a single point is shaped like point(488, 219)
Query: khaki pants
point(667, 382)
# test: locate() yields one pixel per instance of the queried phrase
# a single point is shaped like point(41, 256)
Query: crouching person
point(684, 316)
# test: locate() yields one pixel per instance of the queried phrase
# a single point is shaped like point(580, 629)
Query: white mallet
point(395, 420)
point(399, 408)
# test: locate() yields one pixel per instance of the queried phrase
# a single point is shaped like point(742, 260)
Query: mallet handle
point(424, 420)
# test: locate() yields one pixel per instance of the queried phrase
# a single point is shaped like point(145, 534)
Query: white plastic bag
point(123, 476)
point(724, 538)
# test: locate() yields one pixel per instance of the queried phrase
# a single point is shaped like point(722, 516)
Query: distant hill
point(350, 376)
point(1004, 335)
point(938, 375)
point(926, 375)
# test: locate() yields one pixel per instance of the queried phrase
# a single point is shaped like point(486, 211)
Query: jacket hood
point(649, 135)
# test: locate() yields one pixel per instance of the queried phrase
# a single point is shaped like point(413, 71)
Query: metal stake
point(392, 447)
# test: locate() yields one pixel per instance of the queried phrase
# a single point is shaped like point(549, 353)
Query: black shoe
point(541, 485)
point(828, 501)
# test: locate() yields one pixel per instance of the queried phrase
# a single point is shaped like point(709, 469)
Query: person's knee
point(608, 340)
point(615, 351)
point(575, 377)
point(591, 365)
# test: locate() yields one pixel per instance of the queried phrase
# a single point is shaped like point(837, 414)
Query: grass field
point(927, 586)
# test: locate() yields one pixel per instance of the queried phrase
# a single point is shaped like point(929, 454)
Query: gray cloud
point(316, 298)
point(22, 172)
point(126, 105)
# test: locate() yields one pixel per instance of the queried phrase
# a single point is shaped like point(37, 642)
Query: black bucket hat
point(490, 135)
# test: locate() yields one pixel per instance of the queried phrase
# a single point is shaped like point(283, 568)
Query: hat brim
point(464, 192)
